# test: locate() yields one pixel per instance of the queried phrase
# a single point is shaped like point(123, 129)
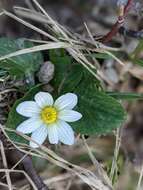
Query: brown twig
point(28, 167)
point(122, 30)
point(27, 164)
point(123, 10)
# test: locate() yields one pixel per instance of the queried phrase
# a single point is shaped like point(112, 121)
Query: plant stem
point(123, 12)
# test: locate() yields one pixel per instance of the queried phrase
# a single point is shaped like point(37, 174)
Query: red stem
point(108, 37)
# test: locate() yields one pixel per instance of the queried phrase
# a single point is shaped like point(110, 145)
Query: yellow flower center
point(49, 115)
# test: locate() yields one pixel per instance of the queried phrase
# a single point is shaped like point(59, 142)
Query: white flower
point(49, 118)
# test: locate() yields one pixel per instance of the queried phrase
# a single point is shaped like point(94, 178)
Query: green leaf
point(136, 53)
point(67, 73)
point(101, 113)
point(105, 55)
point(70, 79)
point(21, 65)
point(138, 62)
point(14, 119)
point(125, 95)
point(100, 55)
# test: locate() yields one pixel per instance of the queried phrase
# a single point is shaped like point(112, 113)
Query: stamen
point(49, 115)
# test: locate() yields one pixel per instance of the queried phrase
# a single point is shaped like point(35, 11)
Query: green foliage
point(138, 62)
point(118, 170)
point(22, 65)
point(68, 74)
point(135, 55)
point(125, 95)
point(101, 55)
point(101, 113)
point(14, 119)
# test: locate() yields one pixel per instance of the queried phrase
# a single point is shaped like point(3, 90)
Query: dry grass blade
point(80, 58)
point(31, 14)
point(17, 164)
point(6, 186)
point(8, 171)
point(28, 24)
point(140, 179)
point(52, 180)
point(53, 22)
point(52, 45)
point(87, 176)
point(99, 170)
point(20, 171)
point(114, 57)
point(114, 166)
point(61, 33)
point(76, 46)
point(7, 91)
point(5, 166)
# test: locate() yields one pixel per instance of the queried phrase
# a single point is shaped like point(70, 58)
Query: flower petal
point(66, 101)
point(65, 133)
point(53, 133)
point(69, 115)
point(28, 109)
point(29, 125)
point(39, 136)
point(44, 99)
